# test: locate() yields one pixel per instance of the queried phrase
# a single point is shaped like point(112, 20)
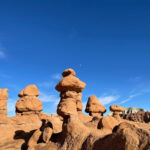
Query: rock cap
point(68, 71)
point(30, 90)
point(93, 105)
point(70, 83)
point(117, 108)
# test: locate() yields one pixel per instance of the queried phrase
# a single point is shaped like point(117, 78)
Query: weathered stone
point(30, 90)
point(70, 83)
point(3, 94)
point(68, 72)
point(94, 107)
point(47, 133)
point(34, 138)
point(29, 103)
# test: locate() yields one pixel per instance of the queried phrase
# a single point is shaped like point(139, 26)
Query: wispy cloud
point(49, 98)
point(108, 99)
point(56, 76)
point(130, 98)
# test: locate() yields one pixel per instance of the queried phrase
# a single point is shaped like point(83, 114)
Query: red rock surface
point(70, 129)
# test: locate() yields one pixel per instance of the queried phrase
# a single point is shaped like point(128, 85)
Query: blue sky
point(107, 43)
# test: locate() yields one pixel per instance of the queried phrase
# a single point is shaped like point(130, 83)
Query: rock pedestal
point(70, 88)
point(116, 111)
point(94, 107)
point(3, 102)
point(29, 102)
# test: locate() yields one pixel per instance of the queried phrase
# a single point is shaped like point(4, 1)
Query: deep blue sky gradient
point(107, 43)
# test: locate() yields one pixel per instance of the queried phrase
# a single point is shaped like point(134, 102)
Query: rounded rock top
point(68, 72)
point(30, 90)
point(93, 105)
point(118, 108)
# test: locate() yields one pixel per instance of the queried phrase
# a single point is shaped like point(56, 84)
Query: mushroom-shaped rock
point(70, 88)
point(28, 102)
point(94, 107)
point(68, 72)
point(116, 110)
point(70, 83)
point(30, 90)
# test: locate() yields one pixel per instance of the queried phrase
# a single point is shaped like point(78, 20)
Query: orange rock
point(30, 90)
point(34, 138)
point(3, 94)
point(107, 123)
point(68, 72)
point(70, 83)
point(67, 107)
point(29, 103)
point(94, 107)
point(116, 110)
point(47, 133)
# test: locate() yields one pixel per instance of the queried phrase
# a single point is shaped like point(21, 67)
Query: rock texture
point(116, 110)
point(94, 107)
point(32, 129)
point(70, 88)
point(3, 102)
point(28, 102)
point(132, 110)
point(140, 116)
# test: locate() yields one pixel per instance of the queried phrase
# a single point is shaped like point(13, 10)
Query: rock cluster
point(3, 102)
point(141, 116)
point(28, 102)
point(70, 129)
point(70, 88)
point(94, 107)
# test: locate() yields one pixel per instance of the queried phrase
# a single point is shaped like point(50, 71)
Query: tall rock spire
point(70, 88)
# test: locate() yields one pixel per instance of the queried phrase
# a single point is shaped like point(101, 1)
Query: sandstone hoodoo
point(94, 107)
point(70, 88)
point(71, 129)
point(116, 110)
point(3, 102)
point(28, 102)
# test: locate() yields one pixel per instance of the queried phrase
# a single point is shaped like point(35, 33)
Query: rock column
point(28, 102)
point(70, 88)
point(3, 102)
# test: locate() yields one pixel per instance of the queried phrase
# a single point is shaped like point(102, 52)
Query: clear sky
point(107, 43)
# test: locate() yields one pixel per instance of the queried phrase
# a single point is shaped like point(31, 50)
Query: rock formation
point(70, 88)
point(116, 111)
point(132, 110)
point(28, 102)
point(94, 107)
point(141, 116)
point(3, 102)
point(32, 129)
